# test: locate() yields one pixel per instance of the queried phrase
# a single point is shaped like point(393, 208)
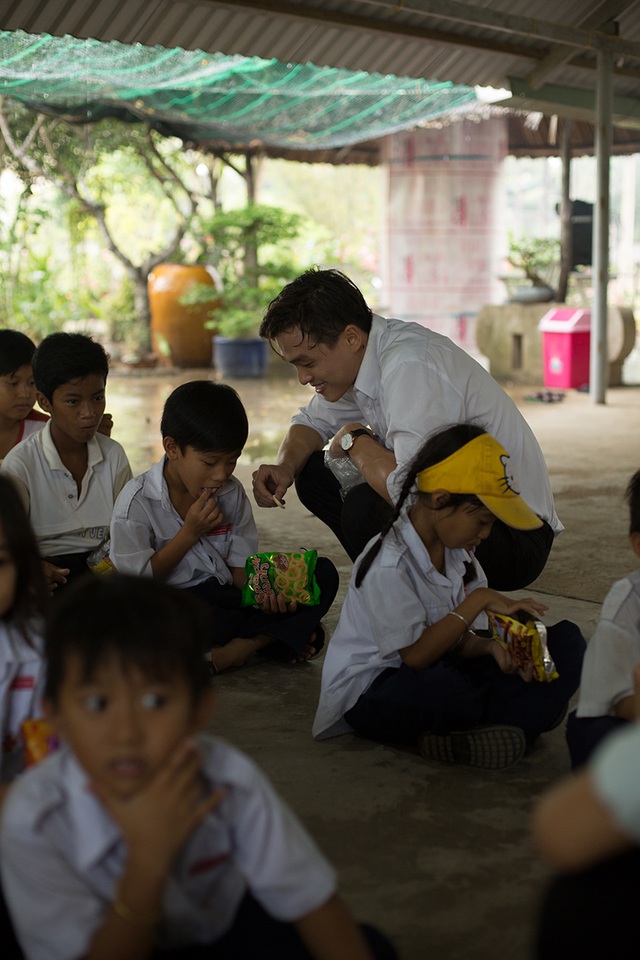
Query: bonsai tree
point(534, 256)
point(252, 250)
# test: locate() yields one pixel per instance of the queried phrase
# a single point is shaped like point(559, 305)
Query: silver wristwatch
point(347, 440)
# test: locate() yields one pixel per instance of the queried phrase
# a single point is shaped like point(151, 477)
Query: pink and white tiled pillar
point(445, 234)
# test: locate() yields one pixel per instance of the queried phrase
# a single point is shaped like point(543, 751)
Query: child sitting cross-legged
point(139, 838)
point(410, 660)
point(606, 695)
point(188, 521)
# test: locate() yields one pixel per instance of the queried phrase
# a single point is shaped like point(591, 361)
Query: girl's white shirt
point(400, 595)
point(21, 689)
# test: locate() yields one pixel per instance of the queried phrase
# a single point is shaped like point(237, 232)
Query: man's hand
point(335, 448)
point(270, 483)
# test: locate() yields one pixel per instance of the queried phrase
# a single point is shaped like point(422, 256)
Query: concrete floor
point(439, 858)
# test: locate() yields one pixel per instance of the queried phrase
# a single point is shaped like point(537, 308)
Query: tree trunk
point(143, 311)
point(251, 246)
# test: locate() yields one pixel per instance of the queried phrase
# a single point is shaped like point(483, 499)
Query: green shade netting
point(209, 97)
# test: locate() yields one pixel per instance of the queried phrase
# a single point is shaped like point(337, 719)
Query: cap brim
point(513, 511)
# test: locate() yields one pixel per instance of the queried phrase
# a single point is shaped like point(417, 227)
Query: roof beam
point(607, 11)
point(393, 19)
point(575, 102)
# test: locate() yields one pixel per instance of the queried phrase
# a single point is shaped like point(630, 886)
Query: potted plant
point(253, 253)
point(536, 259)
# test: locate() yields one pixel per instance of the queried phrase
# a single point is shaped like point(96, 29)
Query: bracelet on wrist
point(133, 916)
point(453, 613)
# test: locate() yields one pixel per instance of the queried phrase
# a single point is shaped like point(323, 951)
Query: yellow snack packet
point(39, 741)
point(526, 640)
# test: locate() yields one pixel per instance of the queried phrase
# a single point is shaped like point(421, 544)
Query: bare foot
point(306, 654)
point(311, 648)
point(237, 651)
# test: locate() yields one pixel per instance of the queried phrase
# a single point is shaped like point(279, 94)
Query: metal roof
point(547, 60)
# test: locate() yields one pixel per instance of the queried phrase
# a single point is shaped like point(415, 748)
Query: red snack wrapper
point(526, 641)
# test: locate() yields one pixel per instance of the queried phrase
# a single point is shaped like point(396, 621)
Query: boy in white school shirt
point(68, 474)
point(188, 521)
point(139, 836)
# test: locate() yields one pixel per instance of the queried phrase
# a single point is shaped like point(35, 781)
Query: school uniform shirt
point(65, 521)
point(145, 520)
point(612, 652)
point(413, 382)
point(21, 690)
point(400, 595)
point(61, 857)
point(615, 772)
point(32, 423)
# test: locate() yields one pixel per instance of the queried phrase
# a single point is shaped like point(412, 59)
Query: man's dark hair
point(632, 496)
point(206, 416)
point(321, 303)
point(143, 623)
point(63, 357)
point(16, 350)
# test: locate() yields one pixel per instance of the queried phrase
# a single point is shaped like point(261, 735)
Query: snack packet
point(99, 560)
point(526, 640)
point(289, 574)
point(40, 740)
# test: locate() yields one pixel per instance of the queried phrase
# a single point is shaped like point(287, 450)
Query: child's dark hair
point(19, 539)
point(207, 416)
point(632, 496)
point(322, 303)
point(436, 448)
point(143, 623)
point(62, 357)
point(16, 350)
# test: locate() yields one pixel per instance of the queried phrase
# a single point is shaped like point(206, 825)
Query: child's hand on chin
point(157, 820)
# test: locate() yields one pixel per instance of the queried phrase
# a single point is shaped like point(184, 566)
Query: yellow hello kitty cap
point(482, 468)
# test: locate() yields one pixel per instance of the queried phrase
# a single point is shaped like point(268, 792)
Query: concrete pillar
point(445, 233)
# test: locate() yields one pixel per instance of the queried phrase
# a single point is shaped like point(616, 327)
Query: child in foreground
point(587, 827)
point(68, 473)
point(188, 521)
point(22, 600)
point(140, 834)
point(606, 699)
point(404, 664)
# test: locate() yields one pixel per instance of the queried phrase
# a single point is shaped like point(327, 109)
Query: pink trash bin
point(566, 342)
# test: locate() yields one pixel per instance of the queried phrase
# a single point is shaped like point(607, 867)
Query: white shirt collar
point(52, 456)
point(368, 379)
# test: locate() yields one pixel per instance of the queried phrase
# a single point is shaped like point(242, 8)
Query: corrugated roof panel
point(238, 29)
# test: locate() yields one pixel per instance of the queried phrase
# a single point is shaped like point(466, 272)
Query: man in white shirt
point(381, 387)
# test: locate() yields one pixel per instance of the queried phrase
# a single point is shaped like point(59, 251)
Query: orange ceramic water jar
point(178, 333)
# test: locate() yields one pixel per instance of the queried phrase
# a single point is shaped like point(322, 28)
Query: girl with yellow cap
point(411, 659)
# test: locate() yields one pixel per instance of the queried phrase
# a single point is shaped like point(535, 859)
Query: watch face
point(346, 441)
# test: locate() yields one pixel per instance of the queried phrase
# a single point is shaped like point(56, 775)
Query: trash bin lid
point(565, 320)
